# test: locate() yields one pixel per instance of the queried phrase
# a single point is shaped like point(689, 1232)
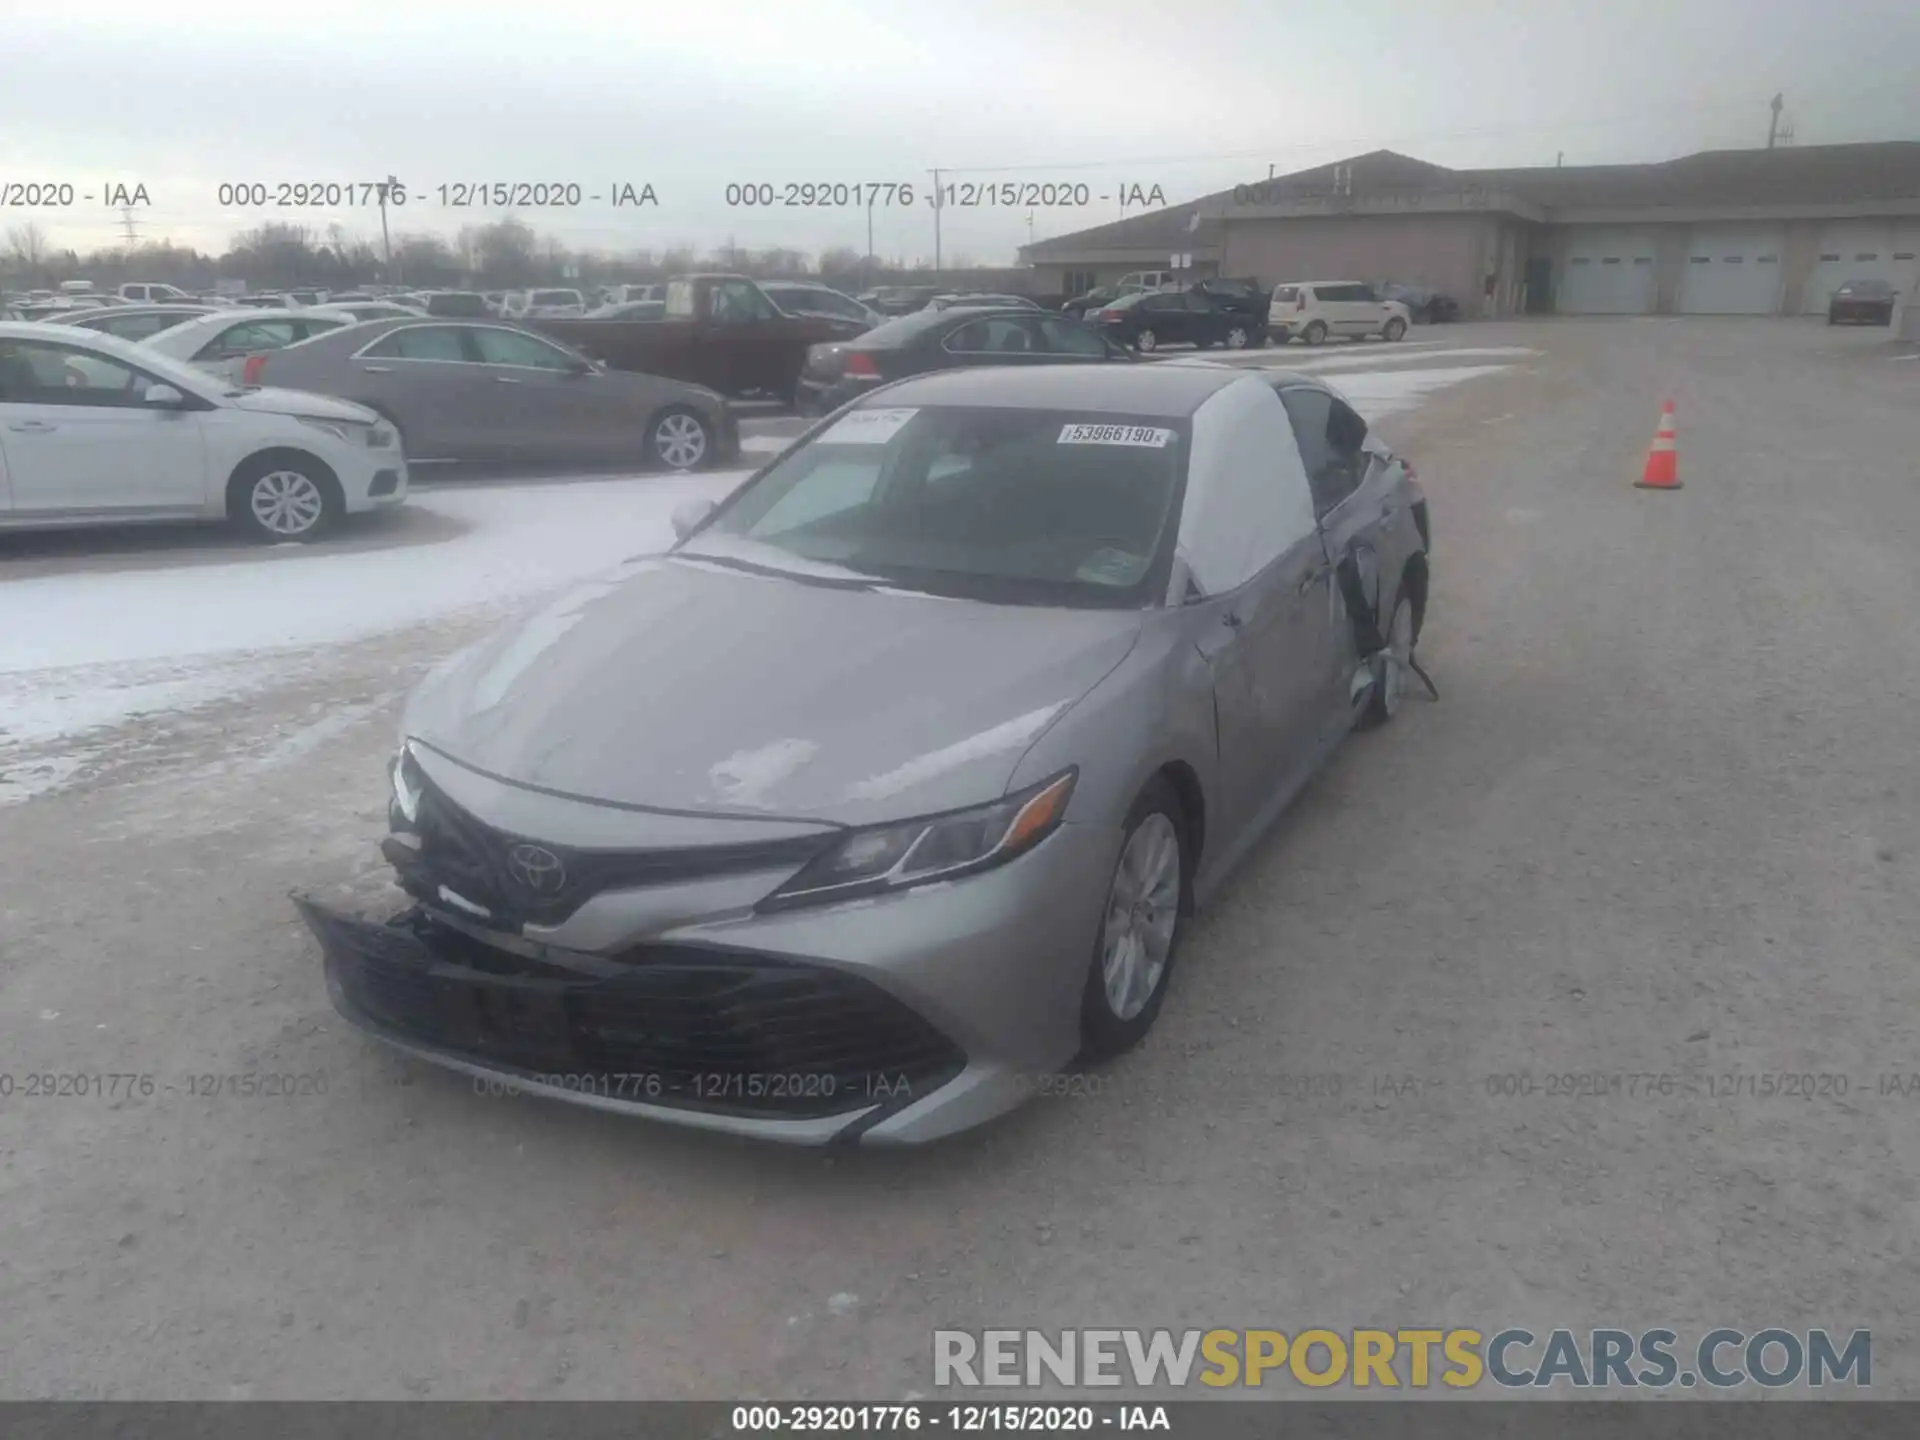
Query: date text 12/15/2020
point(957, 194)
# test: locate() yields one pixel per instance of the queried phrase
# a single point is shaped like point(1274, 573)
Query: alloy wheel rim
point(681, 440)
point(1148, 340)
point(1142, 911)
point(1236, 338)
point(1399, 652)
point(286, 502)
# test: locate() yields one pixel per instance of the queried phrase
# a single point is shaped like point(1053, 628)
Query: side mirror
point(163, 395)
point(689, 515)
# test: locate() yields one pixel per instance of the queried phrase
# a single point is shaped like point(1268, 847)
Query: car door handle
point(31, 427)
point(377, 369)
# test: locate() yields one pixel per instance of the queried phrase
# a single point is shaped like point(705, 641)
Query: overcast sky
point(1189, 95)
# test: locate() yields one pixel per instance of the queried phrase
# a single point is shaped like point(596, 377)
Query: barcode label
point(1150, 436)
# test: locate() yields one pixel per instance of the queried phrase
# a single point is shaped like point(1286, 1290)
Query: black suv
point(1149, 319)
point(1244, 298)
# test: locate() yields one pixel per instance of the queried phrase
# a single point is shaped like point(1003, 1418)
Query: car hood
point(673, 684)
point(301, 402)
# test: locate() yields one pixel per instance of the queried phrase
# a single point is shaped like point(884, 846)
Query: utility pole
point(129, 226)
point(1773, 127)
point(936, 222)
point(866, 260)
point(386, 240)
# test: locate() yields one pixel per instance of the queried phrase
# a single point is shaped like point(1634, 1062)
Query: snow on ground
point(84, 652)
point(1378, 394)
point(93, 649)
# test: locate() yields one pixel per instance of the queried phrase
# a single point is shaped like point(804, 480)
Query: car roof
point(1163, 391)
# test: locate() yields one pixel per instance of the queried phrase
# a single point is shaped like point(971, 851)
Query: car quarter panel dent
point(1152, 710)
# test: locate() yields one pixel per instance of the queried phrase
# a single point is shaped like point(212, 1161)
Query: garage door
point(1732, 271)
point(1607, 272)
point(1886, 250)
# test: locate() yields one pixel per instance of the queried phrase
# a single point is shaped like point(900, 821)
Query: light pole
point(866, 260)
point(936, 222)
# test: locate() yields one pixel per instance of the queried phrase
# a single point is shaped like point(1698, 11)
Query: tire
point(1146, 342)
point(284, 495)
point(1386, 698)
point(680, 439)
point(1280, 335)
point(1237, 337)
point(1396, 328)
point(1122, 999)
point(1315, 332)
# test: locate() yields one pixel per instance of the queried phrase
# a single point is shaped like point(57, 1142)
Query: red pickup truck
point(720, 331)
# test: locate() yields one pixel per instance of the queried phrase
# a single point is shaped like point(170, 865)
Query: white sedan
point(95, 431)
point(221, 342)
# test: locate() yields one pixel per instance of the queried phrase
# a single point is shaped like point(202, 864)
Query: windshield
point(1004, 505)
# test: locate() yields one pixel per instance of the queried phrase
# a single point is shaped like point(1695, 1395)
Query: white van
point(1315, 309)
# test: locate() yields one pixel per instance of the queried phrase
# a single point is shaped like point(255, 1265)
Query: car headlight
point(885, 858)
point(351, 431)
point(405, 773)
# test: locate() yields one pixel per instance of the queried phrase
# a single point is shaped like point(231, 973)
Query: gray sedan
point(882, 795)
point(483, 390)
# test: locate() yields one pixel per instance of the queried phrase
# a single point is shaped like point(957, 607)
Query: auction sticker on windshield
point(868, 427)
point(1147, 435)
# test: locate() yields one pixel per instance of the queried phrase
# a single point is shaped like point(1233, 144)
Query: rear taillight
point(859, 362)
point(250, 372)
point(1103, 315)
point(1300, 301)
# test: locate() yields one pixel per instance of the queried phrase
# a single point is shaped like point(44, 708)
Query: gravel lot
point(1665, 820)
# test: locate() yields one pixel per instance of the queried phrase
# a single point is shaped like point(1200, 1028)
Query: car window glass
point(37, 373)
point(136, 327)
point(998, 336)
point(1010, 505)
point(1331, 469)
point(737, 302)
point(1248, 501)
point(1065, 337)
point(510, 347)
point(420, 342)
point(249, 339)
point(317, 325)
point(838, 483)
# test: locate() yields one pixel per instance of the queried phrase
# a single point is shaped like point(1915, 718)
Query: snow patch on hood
point(744, 778)
point(1010, 735)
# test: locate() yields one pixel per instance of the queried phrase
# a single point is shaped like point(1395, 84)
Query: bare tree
point(27, 249)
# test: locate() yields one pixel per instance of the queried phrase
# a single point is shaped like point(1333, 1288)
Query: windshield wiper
point(831, 582)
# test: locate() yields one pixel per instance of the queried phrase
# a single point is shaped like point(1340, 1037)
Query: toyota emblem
point(537, 868)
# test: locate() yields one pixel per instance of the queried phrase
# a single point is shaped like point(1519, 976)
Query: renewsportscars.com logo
point(1413, 1359)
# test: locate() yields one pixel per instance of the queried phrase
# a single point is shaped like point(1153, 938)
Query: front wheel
point(1390, 686)
point(680, 440)
point(1133, 957)
point(1396, 327)
point(285, 497)
point(1315, 333)
point(1146, 342)
point(1237, 337)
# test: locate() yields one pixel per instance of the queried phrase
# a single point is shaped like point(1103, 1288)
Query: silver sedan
point(481, 390)
point(883, 794)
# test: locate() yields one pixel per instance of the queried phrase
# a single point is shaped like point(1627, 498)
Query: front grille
point(714, 1030)
point(479, 863)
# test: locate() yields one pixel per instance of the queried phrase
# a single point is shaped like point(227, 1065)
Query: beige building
point(1724, 232)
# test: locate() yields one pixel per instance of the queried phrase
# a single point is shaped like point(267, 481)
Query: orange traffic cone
point(1663, 458)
